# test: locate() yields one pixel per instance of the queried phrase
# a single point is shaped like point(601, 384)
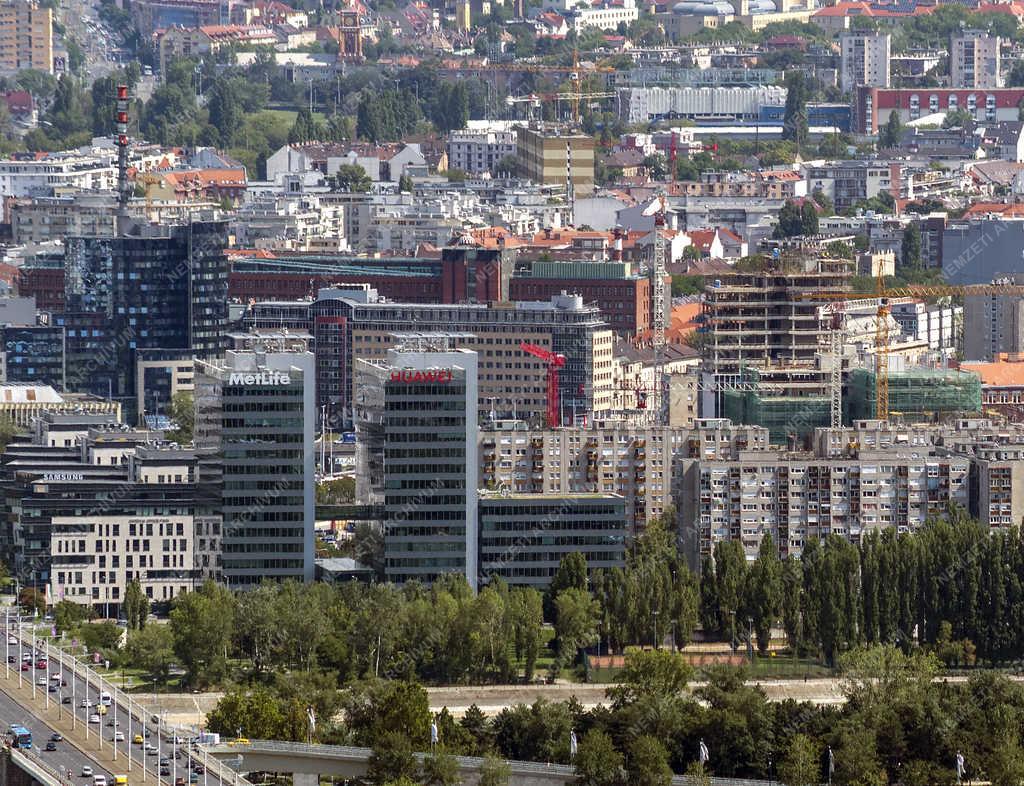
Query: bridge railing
point(270, 747)
point(35, 761)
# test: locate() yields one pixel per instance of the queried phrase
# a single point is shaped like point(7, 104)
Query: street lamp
point(655, 615)
point(732, 618)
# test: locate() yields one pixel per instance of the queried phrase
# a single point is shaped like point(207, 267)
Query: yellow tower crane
point(884, 295)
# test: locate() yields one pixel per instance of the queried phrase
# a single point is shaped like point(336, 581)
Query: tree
point(801, 764)
point(135, 606)
point(304, 129)
point(571, 574)
point(791, 221)
point(794, 119)
point(958, 118)
point(32, 600)
point(254, 712)
point(651, 674)
point(378, 707)
point(597, 762)
point(647, 763)
point(392, 759)
point(182, 412)
point(440, 768)
point(808, 218)
point(405, 184)
point(494, 771)
point(764, 590)
point(576, 615)
point(892, 132)
point(201, 623)
point(351, 178)
point(152, 649)
point(224, 104)
point(67, 614)
point(910, 248)
point(8, 431)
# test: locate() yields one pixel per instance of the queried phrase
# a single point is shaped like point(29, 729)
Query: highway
point(66, 759)
point(179, 762)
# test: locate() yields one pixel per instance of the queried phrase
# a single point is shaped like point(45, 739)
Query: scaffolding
point(784, 416)
point(922, 392)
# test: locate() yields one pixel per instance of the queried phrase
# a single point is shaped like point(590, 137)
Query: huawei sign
point(409, 377)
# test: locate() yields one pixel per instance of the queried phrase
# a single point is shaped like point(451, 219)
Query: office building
point(96, 505)
point(524, 537)
point(864, 60)
point(543, 150)
point(353, 324)
point(156, 287)
point(26, 36)
point(416, 423)
point(994, 324)
point(254, 434)
point(974, 60)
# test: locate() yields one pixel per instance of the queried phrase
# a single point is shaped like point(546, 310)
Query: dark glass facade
point(167, 291)
point(34, 354)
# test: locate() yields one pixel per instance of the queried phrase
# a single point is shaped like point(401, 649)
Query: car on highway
point(118, 736)
point(42, 682)
point(179, 782)
point(55, 737)
point(94, 718)
point(12, 641)
point(41, 663)
point(65, 700)
point(193, 778)
point(101, 709)
point(51, 746)
point(86, 771)
point(85, 704)
point(53, 688)
point(165, 771)
point(137, 739)
point(199, 769)
point(26, 666)
point(165, 762)
point(113, 722)
point(11, 659)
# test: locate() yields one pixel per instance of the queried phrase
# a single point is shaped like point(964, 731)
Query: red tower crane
point(555, 361)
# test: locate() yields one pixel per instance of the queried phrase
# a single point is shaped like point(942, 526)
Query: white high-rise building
point(417, 421)
point(974, 60)
point(865, 60)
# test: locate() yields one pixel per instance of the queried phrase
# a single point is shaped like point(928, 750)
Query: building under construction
point(916, 394)
point(766, 334)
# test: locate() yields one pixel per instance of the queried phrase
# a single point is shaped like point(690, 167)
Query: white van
point(105, 699)
point(99, 780)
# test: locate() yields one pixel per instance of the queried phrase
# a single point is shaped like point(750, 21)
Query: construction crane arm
point(922, 290)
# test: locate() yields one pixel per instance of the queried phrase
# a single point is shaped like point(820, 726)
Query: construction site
point(765, 342)
point(781, 354)
point(915, 394)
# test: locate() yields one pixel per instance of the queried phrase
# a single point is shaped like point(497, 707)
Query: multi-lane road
point(159, 755)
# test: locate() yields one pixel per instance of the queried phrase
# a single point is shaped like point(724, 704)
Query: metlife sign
point(259, 378)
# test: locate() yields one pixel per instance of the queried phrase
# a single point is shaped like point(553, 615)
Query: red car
point(41, 663)
point(25, 666)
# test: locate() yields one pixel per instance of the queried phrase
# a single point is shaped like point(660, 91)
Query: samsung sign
point(262, 378)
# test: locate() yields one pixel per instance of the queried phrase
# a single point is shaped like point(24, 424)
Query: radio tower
point(121, 124)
